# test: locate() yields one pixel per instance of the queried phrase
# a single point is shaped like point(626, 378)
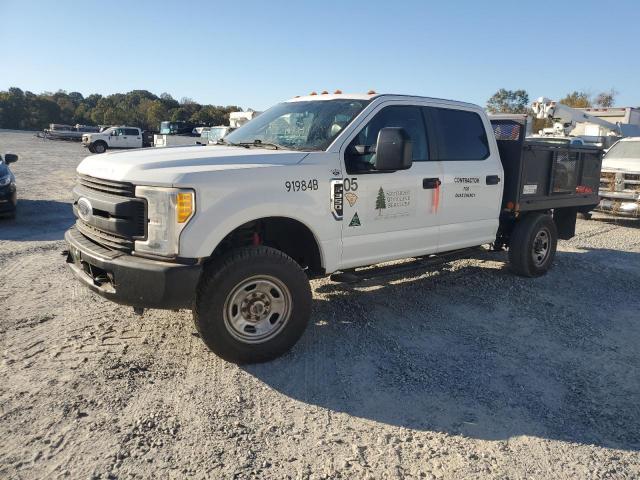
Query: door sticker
point(355, 221)
point(529, 189)
point(351, 197)
point(393, 203)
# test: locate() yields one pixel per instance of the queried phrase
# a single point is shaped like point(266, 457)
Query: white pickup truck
point(113, 137)
point(317, 185)
point(620, 182)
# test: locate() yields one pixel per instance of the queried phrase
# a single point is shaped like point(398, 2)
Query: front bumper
point(131, 280)
point(8, 199)
point(620, 206)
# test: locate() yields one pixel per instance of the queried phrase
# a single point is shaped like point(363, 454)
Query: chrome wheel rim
point(99, 149)
point(541, 247)
point(257, 309)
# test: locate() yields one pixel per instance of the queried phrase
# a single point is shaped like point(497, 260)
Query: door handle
point(493, 179)
point(430, 183)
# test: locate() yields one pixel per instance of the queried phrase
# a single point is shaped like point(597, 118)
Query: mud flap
point(565, 220)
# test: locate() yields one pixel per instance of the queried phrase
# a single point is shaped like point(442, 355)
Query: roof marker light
point(338, 92)
point(371, 92)
point(313, 93)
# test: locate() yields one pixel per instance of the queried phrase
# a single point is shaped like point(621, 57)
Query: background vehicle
point(214, 134)
point(620, 179)
point(318, 185)
point(57, 131)
point(8, 194)
point(113, 137)
point(176, 133)
point(176, 128)
point(601, 127)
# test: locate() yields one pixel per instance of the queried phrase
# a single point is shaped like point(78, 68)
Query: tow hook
point(138, 310)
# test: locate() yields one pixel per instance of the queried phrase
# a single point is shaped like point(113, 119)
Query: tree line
point(517, 101)
point(140, 108)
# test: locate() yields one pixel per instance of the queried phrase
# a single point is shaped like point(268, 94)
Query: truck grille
point(103, 238)
point(107, 186)
point(620, 182)
point(116, 218)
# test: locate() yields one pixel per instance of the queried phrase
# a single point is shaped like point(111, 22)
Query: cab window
point(459, 134)
point(407, 117)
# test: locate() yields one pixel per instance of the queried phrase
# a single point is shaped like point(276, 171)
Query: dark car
point(8, 197)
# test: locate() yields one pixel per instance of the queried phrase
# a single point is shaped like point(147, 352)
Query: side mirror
point(10, 158)
point(394, 150)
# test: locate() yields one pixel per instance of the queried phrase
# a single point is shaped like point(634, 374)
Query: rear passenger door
point(472, 184)
point(132, 138)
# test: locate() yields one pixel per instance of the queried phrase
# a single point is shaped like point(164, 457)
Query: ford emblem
point(85, 210)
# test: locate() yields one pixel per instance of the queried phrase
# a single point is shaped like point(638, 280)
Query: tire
point(100, 147)
point(90, 148)
point(252, 304)
point(533, 244)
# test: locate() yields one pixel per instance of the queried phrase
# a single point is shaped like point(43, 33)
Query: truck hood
point(621, 164)
point(167, 166)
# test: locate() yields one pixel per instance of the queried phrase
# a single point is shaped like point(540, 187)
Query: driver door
point(389, 215)
point(115, 139)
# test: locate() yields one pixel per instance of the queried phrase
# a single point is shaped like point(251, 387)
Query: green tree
point(508, 101)
point(577, 99)
point(606, 99)
point(381, 201)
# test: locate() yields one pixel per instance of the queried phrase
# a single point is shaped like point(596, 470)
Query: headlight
point(168, 210)
point(4, 181)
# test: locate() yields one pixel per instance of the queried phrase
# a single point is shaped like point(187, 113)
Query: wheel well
point(285, 234)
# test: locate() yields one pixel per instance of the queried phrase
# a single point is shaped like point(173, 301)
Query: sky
point(257, 53)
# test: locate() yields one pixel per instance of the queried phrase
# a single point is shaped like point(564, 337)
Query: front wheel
point(532, 246)
point(252, 304)
point(100, 147)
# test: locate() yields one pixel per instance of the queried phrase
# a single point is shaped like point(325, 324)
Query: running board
point(366, 273)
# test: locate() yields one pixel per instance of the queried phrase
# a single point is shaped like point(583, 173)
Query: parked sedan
point(8, 196)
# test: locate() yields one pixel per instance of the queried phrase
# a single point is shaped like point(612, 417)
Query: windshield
point(300, 125)
point(625, 150)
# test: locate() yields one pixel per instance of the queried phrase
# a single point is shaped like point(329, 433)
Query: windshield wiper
point(259, 143)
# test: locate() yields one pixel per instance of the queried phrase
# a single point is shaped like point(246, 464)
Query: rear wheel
point(532, 246)
point(252, 304)
point(100, 147)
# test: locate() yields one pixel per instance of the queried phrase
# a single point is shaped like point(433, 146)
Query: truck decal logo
point(351, 197)
point(337, 199)
point(381, 201)
point(393, 203)
point(335, 172)
point(355, 221)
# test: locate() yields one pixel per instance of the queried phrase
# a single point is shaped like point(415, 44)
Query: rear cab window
point(459, 134)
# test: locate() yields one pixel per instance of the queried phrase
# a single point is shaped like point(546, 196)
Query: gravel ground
point(463, 371)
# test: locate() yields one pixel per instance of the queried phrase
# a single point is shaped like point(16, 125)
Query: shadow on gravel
point(38, 220)
point(479, 352)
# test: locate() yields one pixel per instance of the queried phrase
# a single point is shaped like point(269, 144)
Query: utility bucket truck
point(581, 124)
point(318, 185)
